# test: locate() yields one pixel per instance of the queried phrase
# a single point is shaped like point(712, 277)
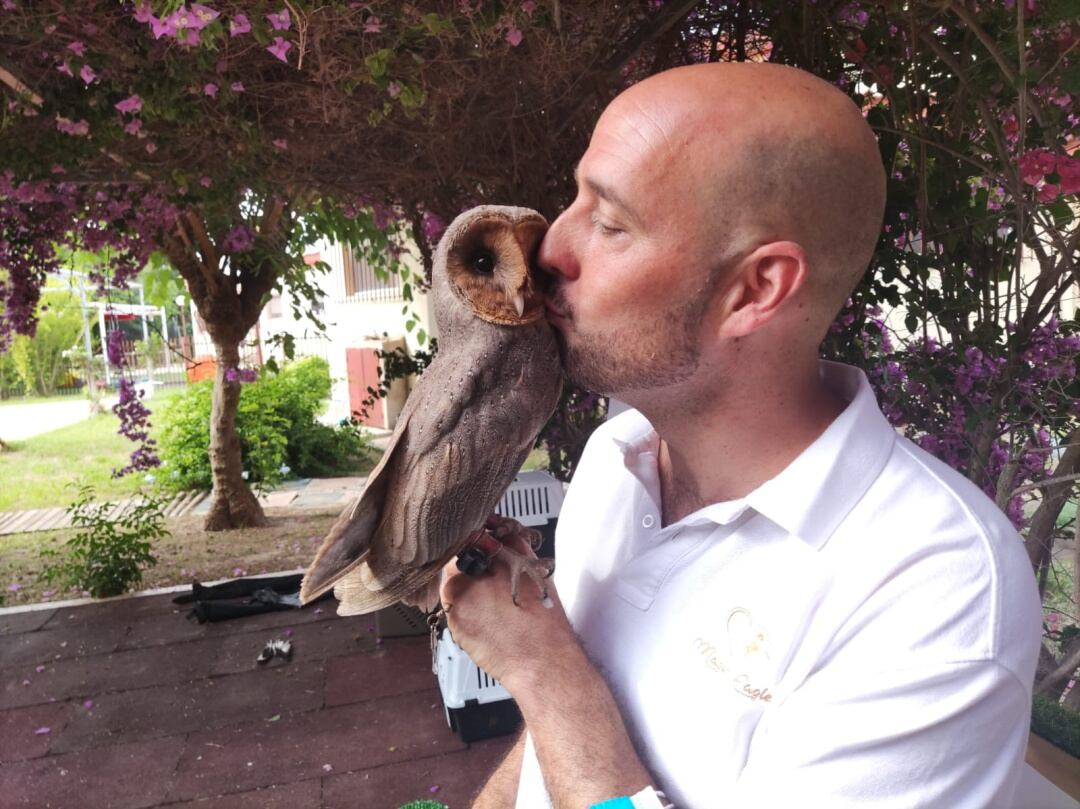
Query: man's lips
point(552, 312)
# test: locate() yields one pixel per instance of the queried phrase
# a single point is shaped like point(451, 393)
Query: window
point(360, 279)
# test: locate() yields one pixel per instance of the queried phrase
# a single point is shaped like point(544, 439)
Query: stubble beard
point(655, 352)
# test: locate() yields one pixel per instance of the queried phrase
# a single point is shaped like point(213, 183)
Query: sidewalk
point(126, 704)
point(292, 494)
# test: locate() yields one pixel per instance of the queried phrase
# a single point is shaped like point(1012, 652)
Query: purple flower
point(77, 48)
point(133, 126)
point(210, 89)
point(114, 348)
point(279, 21)
point(434, 227)
point(280, 49)
point(132, 103)
point(87, 74)
point(240, 24)
point(237, 87)
point(162, 28)
point(239, 239)
point(190, 38)
point(42, 731)
point(65, 68)
point(14, 587)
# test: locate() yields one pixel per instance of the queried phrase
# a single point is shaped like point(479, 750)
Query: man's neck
point(726, 451)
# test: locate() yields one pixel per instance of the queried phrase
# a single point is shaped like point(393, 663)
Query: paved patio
point(126, 704)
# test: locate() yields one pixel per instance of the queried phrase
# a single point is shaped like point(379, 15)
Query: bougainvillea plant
point(229, 138)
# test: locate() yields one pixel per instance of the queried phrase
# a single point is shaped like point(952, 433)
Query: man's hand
point(511, 643)
point(581, 743)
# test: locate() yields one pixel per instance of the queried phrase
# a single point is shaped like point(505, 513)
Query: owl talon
point(535, 569)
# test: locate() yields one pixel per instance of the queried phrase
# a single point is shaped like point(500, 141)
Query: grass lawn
point(287, 543)
point(24, 400)
point(38, 471)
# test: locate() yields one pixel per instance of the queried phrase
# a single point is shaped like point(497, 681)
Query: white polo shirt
point(861, 630)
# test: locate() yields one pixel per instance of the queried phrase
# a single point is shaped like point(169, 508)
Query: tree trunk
point(1041, 529)
point(233, 504)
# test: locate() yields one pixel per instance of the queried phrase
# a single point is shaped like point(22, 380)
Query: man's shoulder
point(925, 538)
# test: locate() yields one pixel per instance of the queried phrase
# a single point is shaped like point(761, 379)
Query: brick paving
point(146, 709)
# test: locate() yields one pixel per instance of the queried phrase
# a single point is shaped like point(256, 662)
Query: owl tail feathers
point(345, 547)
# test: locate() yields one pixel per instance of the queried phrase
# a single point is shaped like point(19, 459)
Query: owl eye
point(483, 262)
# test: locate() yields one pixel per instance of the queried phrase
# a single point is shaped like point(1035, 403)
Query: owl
point(465, 429)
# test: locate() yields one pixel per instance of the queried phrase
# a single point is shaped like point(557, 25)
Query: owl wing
point(349, 541)
point(468, 450)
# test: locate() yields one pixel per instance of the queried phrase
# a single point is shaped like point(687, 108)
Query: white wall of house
point(357, 314)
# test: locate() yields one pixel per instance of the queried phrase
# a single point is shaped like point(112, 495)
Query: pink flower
point(280, 143)
point(143, 13)
point(133, 126)
point(190, 38)
point(210, 89)
point(42, 731)
point(513, 36)
point(7, 5)
point(373, 25)
point(88, 704)
point(394, 89)
point(132, 103)
point(39, 669)
point(280, 48)
point(529, 6)
point(77, 48)
point(87, 74)
point(238, 571)
point(14, 587)
point(69, 127)
point(151, 148)
point(237, 87)
point(162, 28)
point(279, 21)
point(65, 68)
point(203, 15)
point(240, 24)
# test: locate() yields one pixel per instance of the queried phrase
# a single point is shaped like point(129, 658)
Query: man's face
point(630, 261)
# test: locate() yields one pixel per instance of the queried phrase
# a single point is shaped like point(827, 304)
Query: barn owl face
point(489, 260)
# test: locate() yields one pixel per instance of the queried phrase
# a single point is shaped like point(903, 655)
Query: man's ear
point(765, 281)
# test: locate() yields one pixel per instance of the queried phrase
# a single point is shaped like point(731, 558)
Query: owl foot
point(535, 569)
point(503, 527)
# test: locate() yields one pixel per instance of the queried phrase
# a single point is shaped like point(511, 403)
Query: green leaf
point(377, 62)
point(421, 336)
point(274, 718)
point(1062, 213)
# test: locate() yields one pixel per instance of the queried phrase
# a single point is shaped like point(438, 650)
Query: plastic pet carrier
point(476, 705)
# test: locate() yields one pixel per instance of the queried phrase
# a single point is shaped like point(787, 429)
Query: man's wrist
point(563, 666)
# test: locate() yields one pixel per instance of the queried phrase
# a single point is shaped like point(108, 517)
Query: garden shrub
point(106, 557)
point(1056, 724)
point(277, 422)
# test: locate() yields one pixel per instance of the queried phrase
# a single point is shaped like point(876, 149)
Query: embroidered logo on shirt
point(746, 661)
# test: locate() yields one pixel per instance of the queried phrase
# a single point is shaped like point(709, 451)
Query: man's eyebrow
point(607, 194)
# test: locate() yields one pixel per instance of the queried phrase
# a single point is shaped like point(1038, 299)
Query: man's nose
point(556, 255)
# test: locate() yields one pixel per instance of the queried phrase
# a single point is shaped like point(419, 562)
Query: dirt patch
point(288, 542)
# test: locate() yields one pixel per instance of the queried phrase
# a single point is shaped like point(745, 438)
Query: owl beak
point(519, 303)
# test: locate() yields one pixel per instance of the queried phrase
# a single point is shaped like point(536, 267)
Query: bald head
point(766, 153)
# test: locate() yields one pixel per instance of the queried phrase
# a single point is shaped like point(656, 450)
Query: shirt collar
point(816, 491)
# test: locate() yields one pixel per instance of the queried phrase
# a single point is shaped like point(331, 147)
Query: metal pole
point(104, 342)
point(90, 380)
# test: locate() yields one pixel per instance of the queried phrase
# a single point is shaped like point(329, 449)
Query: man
point(765, 596)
